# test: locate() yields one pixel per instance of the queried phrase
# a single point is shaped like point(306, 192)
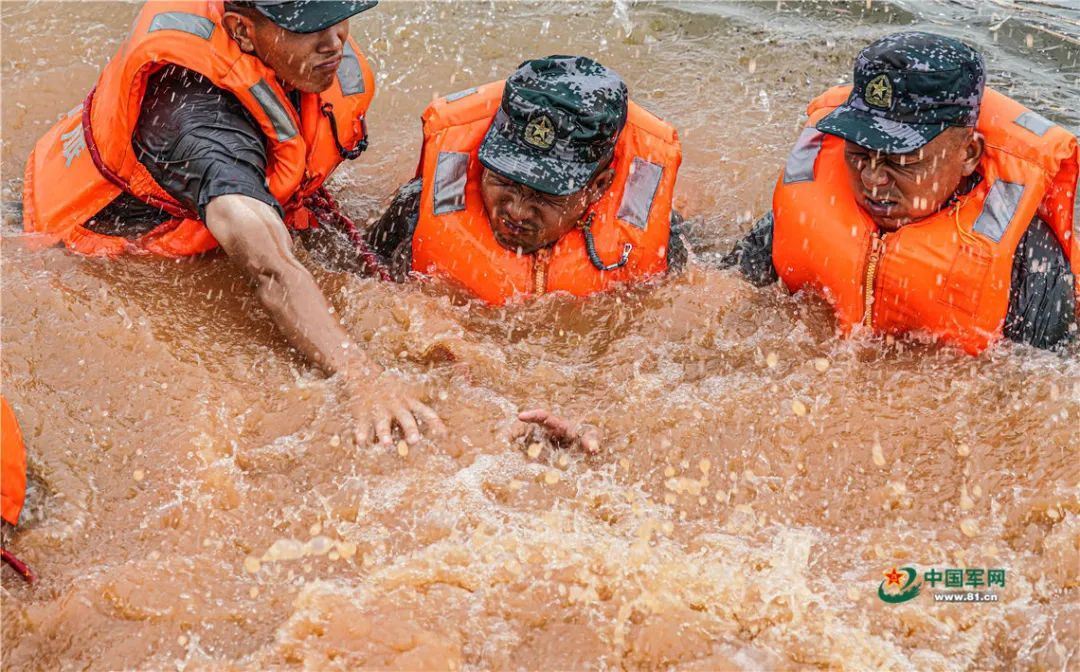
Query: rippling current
point(195, 505)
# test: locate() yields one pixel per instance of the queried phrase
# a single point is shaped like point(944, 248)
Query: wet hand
point(559, 430)
point(378, 402)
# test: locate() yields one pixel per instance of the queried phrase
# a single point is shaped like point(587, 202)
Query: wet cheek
point(545, 227)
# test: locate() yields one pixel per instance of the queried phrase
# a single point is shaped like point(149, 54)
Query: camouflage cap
point(557, 125)
point(909, 87)
point(307, 16)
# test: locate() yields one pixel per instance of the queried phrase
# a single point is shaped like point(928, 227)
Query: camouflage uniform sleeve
point(753, 254)
point(676, 251)
point(391, 236)
point(1042, 302)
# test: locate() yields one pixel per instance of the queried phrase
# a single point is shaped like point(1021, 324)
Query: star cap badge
point(879, 92)
point(540, 132)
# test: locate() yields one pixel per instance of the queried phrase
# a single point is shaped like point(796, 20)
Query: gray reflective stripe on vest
point(184, 22)
point(460, 94)
point(1034, 122)
point(349, 74)
point(998, 209)
point(451, 171)
point(800, 163)
point(275, 110)
point(638, 194)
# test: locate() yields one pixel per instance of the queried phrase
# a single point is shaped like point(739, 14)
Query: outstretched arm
point(255, 238)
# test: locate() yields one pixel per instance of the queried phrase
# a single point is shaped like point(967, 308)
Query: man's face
point(307, 62)
point(526, 219)
point(897, 189)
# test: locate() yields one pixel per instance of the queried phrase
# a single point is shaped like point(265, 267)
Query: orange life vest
point(948, 274)
point(86, 160)
point(12, 465)
point(453, 235)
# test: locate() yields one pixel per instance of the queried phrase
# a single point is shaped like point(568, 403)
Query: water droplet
point(969, 527)
point(347, 549)
point(319, 545)
point(879, 457)
point(966, 503)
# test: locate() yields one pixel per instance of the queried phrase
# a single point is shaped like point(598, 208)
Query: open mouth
point(517, 228)
point(879, 205)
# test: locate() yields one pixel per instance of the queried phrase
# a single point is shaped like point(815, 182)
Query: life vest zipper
point(877, 250)
point(541, 259)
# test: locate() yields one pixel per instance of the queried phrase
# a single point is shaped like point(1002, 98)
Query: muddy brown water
point(194, 506)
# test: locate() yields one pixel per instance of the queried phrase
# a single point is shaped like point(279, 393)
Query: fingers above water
point(383, 428)
point(406, 422)
point(558, 427)
point(378, 404)
point(428, 417)
point(590, 439)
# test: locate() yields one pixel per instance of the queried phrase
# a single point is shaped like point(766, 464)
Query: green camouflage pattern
point(909, 87)
point(558, 123)
point(308, 16)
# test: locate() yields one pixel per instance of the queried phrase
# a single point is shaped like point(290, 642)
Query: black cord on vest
point(355, 152)
point(590, 249)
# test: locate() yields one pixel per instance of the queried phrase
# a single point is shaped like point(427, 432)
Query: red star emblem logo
point(893, 576)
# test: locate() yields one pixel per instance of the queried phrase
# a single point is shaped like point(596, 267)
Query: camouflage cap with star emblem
point(557, 125)
point(909, 87)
